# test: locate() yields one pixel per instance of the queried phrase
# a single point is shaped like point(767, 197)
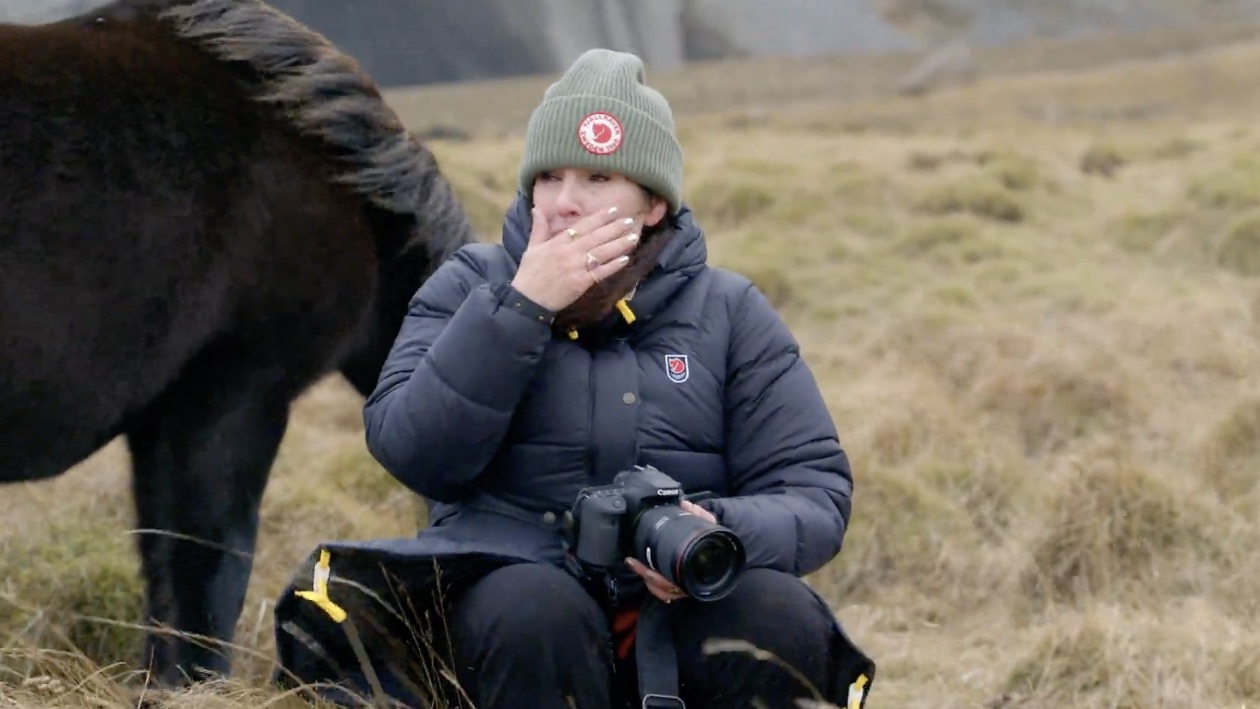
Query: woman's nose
point(567, 200)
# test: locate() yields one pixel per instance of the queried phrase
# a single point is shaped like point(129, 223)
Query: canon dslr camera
point(639, 515)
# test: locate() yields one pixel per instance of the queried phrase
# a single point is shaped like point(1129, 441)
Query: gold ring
point(572, 233)
point(593, 277)
point(591, 261)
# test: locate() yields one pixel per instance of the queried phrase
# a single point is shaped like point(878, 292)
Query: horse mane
point(327, 95)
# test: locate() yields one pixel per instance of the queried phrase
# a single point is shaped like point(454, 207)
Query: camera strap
point(656, 661)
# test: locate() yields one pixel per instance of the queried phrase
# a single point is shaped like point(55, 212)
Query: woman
point(595, 339)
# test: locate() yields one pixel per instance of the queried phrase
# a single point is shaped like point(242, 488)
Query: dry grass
point(1033, 306)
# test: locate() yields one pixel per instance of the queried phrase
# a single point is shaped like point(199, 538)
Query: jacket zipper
point(590, 411)
point(610, 578)
point(613, 593)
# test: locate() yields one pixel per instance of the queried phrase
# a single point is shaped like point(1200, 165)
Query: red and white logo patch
point(600, 133)
point(676, 367)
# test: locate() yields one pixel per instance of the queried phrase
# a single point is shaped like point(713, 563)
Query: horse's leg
point(202, 456)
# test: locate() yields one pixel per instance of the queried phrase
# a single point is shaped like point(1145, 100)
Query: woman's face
point(566, 195)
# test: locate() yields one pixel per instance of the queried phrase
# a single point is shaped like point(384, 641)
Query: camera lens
point(702, 558)
point(710, 560)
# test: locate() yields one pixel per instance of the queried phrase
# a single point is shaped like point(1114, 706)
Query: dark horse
point(205, 207)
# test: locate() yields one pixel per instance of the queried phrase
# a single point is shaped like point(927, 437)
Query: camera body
point(639, 515)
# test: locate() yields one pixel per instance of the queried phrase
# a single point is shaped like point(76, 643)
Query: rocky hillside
point(404, 42)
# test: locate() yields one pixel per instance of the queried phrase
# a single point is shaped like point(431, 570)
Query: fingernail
point(628, 221)
point(612, 210)
point(632, 238)
point(623, 259)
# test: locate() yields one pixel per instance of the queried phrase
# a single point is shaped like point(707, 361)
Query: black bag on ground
point(391, 637)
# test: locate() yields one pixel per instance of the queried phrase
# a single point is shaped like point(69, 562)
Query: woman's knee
point(529, 635)
point(529, 604)
point(773, 612)
point(767, 601)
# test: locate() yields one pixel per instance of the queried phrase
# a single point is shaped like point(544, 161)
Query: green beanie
point(601, 116)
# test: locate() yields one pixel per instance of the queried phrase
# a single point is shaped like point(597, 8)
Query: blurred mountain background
point(414, 42)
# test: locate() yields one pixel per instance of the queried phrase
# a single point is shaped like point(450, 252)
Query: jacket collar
point(683, 257)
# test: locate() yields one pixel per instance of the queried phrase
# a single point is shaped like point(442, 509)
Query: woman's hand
point(656, 584)
point(556, 269)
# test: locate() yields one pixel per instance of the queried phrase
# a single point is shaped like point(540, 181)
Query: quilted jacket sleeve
point(462, 359)
point(790, 478)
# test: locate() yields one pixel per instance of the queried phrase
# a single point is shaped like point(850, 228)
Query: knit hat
point(601, 116)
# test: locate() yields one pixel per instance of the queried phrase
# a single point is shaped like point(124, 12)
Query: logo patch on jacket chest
point(676, 367)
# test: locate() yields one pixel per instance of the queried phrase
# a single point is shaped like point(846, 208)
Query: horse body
point(206, 208)
point(148, 218)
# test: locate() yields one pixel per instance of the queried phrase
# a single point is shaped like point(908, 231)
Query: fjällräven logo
point(600, 133)
point(676, 367)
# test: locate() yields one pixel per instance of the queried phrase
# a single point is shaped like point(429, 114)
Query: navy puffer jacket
point(498, 423)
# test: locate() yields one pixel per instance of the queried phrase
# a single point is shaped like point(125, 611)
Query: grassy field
point(1033, 305)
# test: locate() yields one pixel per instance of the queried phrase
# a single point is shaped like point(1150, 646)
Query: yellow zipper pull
point(625, 310)
point(319, 593)
point(856, 692)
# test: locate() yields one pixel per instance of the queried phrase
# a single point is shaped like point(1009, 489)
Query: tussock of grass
point(771, 261)
point(1097, 661)
point(728, 201)
point(353, 490)
point(984, 197)
point(909, 530)
point(62, 679)
point(76, 684)
point(872, 223)
point(761, 167)
point(905, 429)
point(995, 490)
point(951, 241)
point(1141, 233)
point(845, 193)
point(1114, 527)
point(853, 183)
point(1231, 453)
point(776, 283)
point(1238, 660)
point(1054, 398)
point(1012, 170)
point(954, 296)
point(1109, 656)
point(1103, 160)
point(353, 471)
point(1177, 148)
point(1235, 186)
point(1239, 252)
point(960, 356)
point(60, 577)
point(929, 161)
point(1077, 661)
